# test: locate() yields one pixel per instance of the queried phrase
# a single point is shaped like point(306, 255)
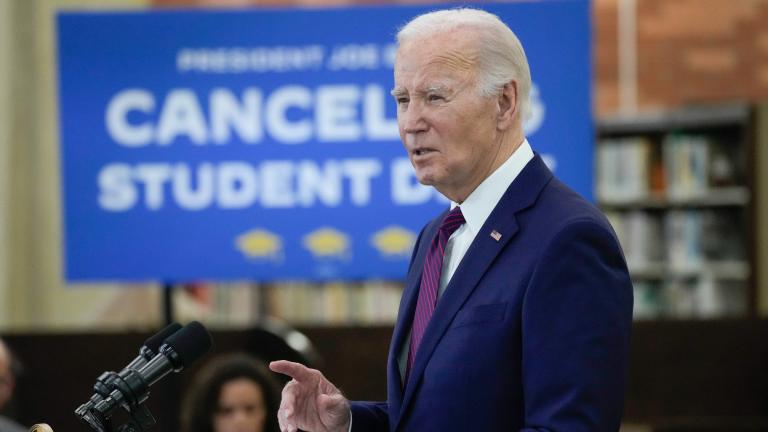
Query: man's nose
point(412, 119)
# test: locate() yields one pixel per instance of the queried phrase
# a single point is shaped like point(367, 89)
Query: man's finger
point(281, 420)
point(288, 402)
point(297, 371)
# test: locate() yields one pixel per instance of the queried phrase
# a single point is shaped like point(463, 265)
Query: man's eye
point(402, 100)
point(435, 98)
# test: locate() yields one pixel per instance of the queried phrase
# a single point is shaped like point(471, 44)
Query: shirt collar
point(481, 202)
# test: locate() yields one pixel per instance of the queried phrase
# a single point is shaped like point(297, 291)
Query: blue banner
point(262, 144)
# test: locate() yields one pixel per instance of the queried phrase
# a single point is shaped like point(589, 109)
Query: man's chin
point(425, 179)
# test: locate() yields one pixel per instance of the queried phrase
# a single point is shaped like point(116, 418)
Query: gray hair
point(501, 56)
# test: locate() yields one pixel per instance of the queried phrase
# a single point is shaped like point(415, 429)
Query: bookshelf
point(677, 187)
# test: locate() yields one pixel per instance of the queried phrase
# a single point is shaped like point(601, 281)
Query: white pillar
point(5, 143)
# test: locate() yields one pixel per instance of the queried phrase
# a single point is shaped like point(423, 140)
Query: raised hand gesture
point(310, 402)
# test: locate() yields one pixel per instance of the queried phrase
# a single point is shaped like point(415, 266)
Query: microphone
point(106, 381)
point(152, 346)
point(131, 388)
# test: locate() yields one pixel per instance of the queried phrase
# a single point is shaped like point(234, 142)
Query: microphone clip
point(140, 420)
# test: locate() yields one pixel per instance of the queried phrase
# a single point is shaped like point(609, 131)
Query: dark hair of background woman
point(202, 398)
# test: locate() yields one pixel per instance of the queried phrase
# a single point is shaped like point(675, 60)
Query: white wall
point(33, 294)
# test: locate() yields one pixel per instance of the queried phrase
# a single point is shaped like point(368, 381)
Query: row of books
point(298, 303)
point(627, 169)
point(702, 298)
point(681, 239)
point(366, 303)
point(679, 167)
point(218, 304)
point(686, 165)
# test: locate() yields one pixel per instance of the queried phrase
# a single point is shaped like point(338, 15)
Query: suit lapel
point(521, 194)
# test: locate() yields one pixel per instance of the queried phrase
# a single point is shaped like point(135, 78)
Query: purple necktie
point(430, 282)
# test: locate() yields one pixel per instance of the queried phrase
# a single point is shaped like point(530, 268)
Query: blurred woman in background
point(232, 393)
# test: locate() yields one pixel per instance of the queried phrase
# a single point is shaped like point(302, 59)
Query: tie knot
point(453, 221)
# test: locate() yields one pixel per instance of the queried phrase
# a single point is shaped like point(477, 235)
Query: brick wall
point(702, 51)
point(605, 48)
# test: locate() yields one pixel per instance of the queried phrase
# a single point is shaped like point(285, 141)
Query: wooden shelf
point(734, 196)
point(720, 270)
point(663, 122)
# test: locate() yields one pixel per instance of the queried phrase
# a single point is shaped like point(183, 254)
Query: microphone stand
point(141, 420)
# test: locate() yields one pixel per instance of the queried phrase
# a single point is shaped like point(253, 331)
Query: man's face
point(448, 129)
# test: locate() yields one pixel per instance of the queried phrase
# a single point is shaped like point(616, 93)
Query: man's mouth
point(422, 151)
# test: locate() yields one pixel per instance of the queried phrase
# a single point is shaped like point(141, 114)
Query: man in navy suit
point(517, 307)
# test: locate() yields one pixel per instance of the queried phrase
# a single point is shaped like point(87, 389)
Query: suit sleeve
point(576, 322)
point(370, 416)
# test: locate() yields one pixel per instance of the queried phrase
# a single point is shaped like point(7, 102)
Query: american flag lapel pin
point(495, 235)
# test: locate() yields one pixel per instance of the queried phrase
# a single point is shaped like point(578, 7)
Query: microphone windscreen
point(155, 341)
point(191, 342)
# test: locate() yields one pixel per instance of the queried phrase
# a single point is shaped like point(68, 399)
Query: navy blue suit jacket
point(532, 332)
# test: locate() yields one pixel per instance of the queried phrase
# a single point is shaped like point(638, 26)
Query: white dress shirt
point(476, 209)
point(478, 206)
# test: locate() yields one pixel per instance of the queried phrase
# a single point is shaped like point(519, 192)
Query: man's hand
point(310, 402)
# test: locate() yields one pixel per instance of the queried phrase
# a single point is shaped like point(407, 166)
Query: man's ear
point(508, 105)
